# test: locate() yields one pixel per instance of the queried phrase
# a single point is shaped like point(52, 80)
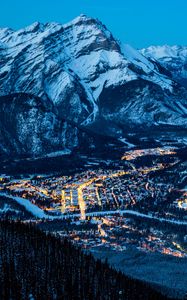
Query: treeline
point(35, 265)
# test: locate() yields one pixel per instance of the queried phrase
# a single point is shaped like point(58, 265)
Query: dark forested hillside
point(35, 265)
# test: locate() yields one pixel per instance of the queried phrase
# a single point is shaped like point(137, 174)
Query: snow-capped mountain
point(174, 58)
point(90, 79)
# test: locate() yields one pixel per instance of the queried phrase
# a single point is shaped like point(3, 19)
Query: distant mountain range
point(59, 81)
point(174, 59)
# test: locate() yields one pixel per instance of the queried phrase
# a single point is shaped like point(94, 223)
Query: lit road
point(40, 214)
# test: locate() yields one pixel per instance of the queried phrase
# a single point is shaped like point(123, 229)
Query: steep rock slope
point(28, 126)
point(31, 127)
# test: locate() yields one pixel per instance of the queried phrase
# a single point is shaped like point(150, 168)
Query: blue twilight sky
point(137, 22)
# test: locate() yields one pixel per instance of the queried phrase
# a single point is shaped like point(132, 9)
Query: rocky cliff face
point(29, 126)
point(89, 80)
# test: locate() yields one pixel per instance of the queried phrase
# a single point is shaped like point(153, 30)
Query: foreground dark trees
point(35, 265)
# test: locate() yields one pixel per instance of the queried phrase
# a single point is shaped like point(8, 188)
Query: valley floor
point(130, 209)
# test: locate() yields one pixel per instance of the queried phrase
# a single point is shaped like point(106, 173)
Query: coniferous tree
point(35, 265)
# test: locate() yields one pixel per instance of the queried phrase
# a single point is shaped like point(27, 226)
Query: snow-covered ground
point(30, 207)
point(39, 213)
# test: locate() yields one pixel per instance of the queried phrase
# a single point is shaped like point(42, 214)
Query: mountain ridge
point(174, 58)
point(89, 77)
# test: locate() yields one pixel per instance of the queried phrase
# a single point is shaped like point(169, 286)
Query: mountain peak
point(83, 19)
point(33, 27)
point(163, 51)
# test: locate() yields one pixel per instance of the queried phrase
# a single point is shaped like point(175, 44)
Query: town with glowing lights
point(106, 207)
point(120, 208)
